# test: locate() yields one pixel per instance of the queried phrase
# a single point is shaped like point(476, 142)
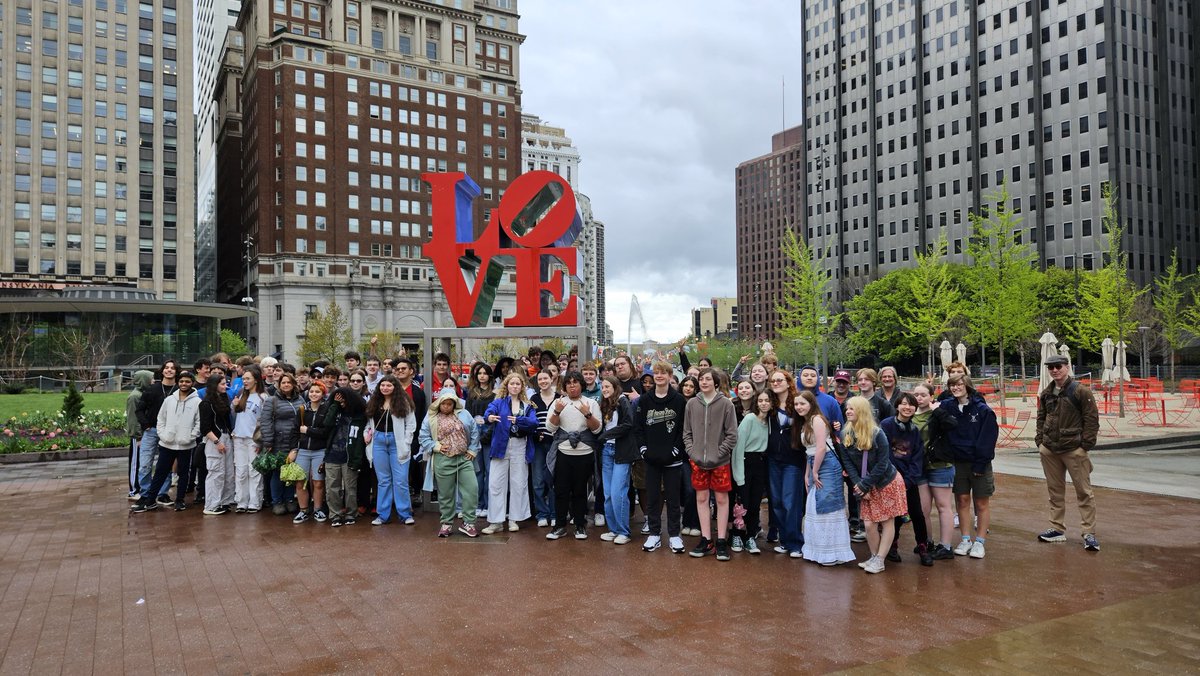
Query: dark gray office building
point(916, 111)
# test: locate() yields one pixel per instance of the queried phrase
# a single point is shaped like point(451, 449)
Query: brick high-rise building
point(341, 107)
point(917, 111)
point(770, 199)
point(96, 128)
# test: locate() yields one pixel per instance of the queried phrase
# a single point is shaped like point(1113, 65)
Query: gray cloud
point(663, 100)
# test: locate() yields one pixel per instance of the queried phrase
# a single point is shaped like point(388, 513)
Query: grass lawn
point(13, 404)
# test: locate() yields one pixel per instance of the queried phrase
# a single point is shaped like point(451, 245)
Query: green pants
point(455, 476)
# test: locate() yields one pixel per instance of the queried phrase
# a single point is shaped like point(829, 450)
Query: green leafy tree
point(876, 318)
point(1176, 315)
point(1060, 307)
point(1003, 292)
point(1110, 296)
point(326, 335)
point(936, 298)
point(233, 344)
point(804, 313)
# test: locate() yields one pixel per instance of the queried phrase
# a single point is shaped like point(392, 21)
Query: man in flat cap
point(1067, 425)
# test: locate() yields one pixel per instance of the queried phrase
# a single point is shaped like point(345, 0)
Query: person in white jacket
point(178, 429)
point(389, 434)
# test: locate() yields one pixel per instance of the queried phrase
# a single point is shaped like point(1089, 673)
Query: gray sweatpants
point(341, 489)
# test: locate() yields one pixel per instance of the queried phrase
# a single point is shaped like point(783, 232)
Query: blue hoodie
point(973, 440)
point(830, 408)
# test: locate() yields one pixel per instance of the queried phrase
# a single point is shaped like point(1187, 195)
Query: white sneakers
point(543, 523)
point(873, 565)
point(963, 548)
point(652, 543)
point(676, 544)
point(512, 526)
point(608, 537)
point(492, 528)
point(599, 520)
point(977, 551)
point(968, 548)
point(621, 540)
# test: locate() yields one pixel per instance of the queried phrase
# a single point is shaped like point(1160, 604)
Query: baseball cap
point(843, 374)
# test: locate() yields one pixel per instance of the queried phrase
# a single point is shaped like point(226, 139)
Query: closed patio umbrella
point(1106, 362)
point(1049, 349)
point(1066, 352)
point(947, 355)
point(1119, 370)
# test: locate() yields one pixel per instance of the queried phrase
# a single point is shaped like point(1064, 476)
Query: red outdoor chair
point(1011, 434)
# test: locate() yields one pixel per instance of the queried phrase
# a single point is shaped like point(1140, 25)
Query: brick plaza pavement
point(86, 587)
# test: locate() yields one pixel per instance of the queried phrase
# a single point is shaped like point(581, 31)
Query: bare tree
point(85, 350)
point(15, 340)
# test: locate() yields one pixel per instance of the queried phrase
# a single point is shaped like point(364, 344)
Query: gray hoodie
point(709, 430)
point(141, 379)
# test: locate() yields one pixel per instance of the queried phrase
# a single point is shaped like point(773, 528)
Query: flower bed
point(38, 431)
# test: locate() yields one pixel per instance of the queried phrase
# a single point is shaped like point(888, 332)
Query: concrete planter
point(52, 456)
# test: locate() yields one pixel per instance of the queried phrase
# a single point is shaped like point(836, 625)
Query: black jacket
point(937, 448)
point(152, 399)
point(622, 434)
point(210, 421)
point(316, 437)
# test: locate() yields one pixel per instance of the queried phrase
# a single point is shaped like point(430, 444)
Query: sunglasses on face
point(778, 380)
point(1055, 367)
point(356, 380)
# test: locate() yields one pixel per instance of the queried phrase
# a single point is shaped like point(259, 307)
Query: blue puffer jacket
point(526, 423)
point(973, 440)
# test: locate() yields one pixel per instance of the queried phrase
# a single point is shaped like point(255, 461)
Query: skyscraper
point(340, 107)
point(770, 200)
point(915, 112)
point(545, 147)
point(213, 19)
point(97, 132)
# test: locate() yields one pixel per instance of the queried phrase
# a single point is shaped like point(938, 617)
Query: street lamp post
point(1145, 354)
point(758, 331)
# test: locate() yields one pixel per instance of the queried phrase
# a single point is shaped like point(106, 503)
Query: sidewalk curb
point(56, 456)
point(1140, 442)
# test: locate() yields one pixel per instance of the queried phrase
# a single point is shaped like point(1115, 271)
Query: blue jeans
point(543, 481)
point(393, 478)
point(787, 502)
point(616, 490)
point(146, 452)
point(281, 493)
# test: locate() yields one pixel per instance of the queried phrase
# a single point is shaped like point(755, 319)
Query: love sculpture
point(533, 226)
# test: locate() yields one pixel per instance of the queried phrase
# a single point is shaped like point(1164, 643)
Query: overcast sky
point(663, 99)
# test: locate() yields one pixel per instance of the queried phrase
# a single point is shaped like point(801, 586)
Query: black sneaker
point(942, 553)
point(1090, 542)
point(894, 555)
point(858, 535)
point(349, 519)
point(180, 506)
point(925, 555)
point(335, 521)
point(556, 534)
point(164, 499)
point(773, 535)
point(199, 500)
point(722, 549)
point(143, 506)
point(702, 548)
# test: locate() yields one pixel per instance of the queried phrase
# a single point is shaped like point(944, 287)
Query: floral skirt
point(885, 503)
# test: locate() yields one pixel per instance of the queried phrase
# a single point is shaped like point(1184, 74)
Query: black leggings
point(913, 494)
point(571, 474)
point(752, 492)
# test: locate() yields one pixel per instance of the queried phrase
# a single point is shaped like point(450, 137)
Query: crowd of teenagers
point(544, 438)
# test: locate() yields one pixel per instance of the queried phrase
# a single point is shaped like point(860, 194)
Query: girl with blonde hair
point(867, 460)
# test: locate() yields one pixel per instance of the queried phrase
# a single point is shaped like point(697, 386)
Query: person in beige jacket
point(709, 436)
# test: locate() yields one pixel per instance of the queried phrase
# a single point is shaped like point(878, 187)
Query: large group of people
point(550, 442)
